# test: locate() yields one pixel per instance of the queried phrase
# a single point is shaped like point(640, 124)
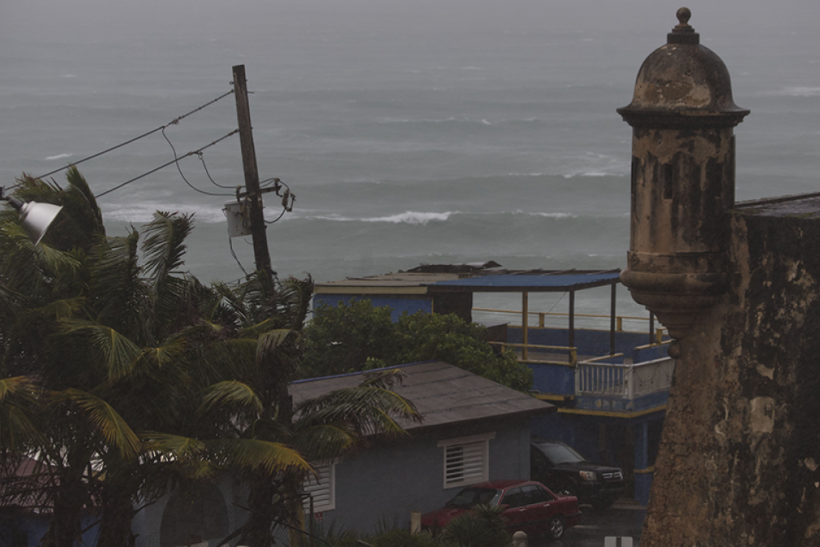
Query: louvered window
point(466, 460)
point(322, 489)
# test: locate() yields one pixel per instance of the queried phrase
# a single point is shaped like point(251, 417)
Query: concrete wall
point(385, 485)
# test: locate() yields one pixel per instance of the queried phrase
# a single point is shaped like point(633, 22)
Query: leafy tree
point(358, 336)
point(255, 389)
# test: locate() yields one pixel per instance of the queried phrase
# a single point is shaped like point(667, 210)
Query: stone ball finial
point(683, 27)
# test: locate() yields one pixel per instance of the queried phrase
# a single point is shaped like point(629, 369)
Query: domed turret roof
point(683, 83)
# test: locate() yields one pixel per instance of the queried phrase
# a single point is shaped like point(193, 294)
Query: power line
point(202, 159)
point(175, 121)
point(175, 160)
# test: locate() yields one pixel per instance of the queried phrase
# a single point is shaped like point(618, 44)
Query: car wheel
point(556, 528)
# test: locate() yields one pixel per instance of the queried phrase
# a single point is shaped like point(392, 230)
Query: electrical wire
point(202, 159)
point(175, 160)
point(230, 245)
point(277, 218)
point(175, 121)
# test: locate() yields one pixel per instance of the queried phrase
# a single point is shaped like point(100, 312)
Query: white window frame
point(478, 447)
point(326, 482)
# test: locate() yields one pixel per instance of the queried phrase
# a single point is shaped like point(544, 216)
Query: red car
point(529, 506)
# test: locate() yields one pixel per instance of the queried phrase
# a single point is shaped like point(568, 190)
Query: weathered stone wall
point(739, 458)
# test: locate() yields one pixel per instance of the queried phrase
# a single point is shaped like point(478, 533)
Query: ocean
point(410, 132)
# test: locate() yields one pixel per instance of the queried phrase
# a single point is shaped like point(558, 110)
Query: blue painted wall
point(35, 527)
point(398, 303)
point(32, 526)
point(553, 379)
point(386, 484)
point(609, 444)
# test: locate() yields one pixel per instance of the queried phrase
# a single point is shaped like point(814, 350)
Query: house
point(609, 384)
point(473, 430)
point(25, 512)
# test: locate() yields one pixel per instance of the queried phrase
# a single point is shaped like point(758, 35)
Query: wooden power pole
point(257, 218)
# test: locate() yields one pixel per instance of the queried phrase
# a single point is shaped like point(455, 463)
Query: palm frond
point(164, 244)
point(167, 353)
point(325, 441)
point(294, 300)
point(254, 454)
point(62, 309)
point(120, 294)
point(358, 404)
point(120, 353)
point(18, 406)
point(17, 385)
point(178, 446)
point(270, 342)
point(105, 419)
point(91, 220)
point(231, 393)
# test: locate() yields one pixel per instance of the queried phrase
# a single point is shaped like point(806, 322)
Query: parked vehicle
point(529, 506)
point(565, 470)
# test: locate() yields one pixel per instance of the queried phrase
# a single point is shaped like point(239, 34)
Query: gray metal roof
point(443, 394)
point(527, 283)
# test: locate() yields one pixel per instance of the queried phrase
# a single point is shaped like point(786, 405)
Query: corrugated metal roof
point(443, 394)
point(532, 283)
point(396, 280)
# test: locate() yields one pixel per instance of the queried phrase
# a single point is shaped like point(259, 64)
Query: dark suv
point(562, 469)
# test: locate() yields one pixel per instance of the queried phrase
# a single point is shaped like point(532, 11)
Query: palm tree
point(259, 360)
point(118, 375)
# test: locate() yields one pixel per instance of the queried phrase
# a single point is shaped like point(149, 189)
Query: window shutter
point(465, 463)
point(322, 490)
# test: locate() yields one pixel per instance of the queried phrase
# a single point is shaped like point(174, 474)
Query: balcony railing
point(626, 381)
point(543, 316)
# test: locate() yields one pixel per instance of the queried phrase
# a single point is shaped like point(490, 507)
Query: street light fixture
point(35, 217)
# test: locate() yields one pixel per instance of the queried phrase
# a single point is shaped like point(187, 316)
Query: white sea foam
point(554, 215)
point(412, 217)
point(144, 212)
point(409, 217)
point(68, 75)
point(58, 157)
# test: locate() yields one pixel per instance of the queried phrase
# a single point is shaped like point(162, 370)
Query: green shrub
point(481, 527)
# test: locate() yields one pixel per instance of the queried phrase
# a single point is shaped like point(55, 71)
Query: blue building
point(473, 430)
point(610, 386)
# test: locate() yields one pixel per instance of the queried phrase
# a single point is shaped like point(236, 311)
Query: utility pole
point(257, 218)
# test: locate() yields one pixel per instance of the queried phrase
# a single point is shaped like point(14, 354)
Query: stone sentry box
point(739, 459)
point(683, 155)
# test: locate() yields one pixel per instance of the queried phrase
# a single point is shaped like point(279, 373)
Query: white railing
point(651, 376)
point(627, 381)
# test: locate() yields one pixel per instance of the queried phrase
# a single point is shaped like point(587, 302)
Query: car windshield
point(559, 453)
point(472, 496)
